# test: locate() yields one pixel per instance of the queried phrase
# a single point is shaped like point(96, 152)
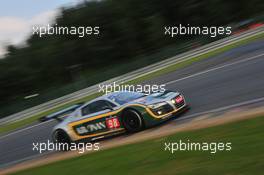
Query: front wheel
point(132, 120)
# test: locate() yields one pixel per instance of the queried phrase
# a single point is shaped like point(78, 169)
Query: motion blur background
point(131, 36)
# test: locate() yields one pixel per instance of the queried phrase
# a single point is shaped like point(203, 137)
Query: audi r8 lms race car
point(117, 113)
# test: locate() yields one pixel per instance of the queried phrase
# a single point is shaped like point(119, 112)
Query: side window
point(86, 110)
point(112, 105)
point(96, 107)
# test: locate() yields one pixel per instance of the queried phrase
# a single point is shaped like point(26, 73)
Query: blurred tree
point(128, 30)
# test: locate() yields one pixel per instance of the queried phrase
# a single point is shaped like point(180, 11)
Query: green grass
point(12, 126)
point(245, 158)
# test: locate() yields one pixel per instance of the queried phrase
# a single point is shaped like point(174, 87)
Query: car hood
point(154, 98)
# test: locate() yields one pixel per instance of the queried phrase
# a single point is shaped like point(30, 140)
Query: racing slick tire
point(61, 137)
point(132, 120)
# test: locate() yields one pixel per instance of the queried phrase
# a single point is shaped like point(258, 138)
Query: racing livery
point(117, 113)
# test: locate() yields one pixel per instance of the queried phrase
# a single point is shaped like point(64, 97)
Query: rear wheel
point(132, 120)
point(62, 139)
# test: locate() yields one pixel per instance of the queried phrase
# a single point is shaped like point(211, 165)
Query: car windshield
point(125, 97)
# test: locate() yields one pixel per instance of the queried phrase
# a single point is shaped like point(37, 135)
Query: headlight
point(157, 105)
point(160, 108)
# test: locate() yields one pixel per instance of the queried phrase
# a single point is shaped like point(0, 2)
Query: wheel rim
point(60, 137)
point(133, 121)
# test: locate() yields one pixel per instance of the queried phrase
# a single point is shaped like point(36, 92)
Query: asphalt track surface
point(224, 80)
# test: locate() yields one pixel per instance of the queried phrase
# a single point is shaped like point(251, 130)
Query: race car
point(117, 113)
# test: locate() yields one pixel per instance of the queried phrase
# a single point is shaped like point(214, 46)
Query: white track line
point(170, 82)
point(224, 108)
point(15, 132)
point(217, 68)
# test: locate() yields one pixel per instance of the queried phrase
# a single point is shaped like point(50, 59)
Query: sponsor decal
point(91, 128)
point(179, 99)
point(112, 123)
